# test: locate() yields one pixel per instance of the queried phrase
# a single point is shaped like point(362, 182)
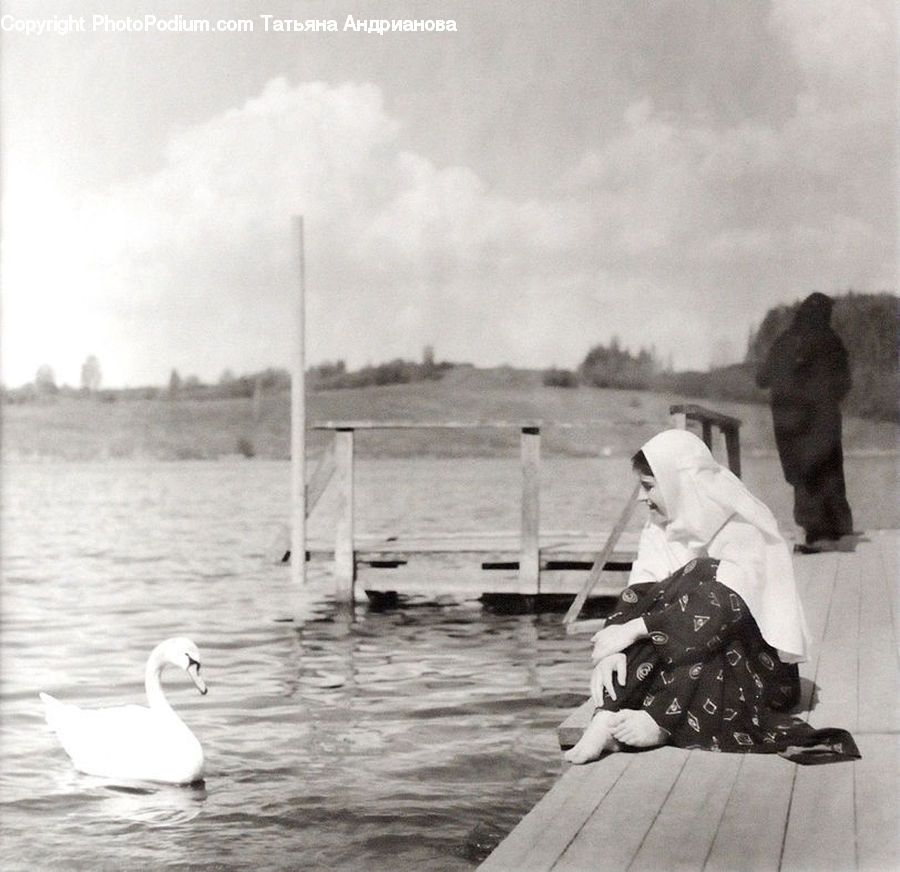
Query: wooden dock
point(669, 809)
point(482, 565)
point(529, 562)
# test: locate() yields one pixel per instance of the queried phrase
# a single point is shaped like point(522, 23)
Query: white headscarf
point(711, 513)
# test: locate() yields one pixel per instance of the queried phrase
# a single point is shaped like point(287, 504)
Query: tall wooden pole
point(298, 418)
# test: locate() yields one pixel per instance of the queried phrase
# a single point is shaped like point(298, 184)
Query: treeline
point(868, 324)
point(335, 376)
point(326, 376)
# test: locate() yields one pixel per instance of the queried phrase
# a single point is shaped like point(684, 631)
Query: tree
point(45, 381)
point(614, 367)
point(90, 374)
point(174, 383)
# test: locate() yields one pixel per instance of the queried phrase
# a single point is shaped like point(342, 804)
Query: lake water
point(410, 739)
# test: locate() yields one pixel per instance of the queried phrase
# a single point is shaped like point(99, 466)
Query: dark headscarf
point(814, 312)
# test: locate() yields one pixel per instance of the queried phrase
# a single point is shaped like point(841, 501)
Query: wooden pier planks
point(546, 831)
point(628, 812)
point(751, 830)
point(879, 689)
point(672, 809)
point(876, 793)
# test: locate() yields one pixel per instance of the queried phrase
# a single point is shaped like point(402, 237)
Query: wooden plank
point(603, 557)
point(612, 836)
point(820, 831)
point(684, 829)
point(588, 545)
point(558, 581)
point(751, 830)
point(879, 689)
point(545, 832)
point(570, 730)
point(529, 543)
point(838, 668)
point(344, 559)
point(434, 578)
point(889, 548)
point(733, 449)
point(474, 424)
point(877, 801)
point(405, 424)
point(816, 575)
point(700, 413)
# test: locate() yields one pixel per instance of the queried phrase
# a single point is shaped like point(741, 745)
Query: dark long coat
point(808, 373)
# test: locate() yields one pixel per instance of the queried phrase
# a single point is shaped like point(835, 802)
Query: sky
point(543, 178)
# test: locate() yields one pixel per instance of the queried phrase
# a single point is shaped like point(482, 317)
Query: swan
point(131, 741)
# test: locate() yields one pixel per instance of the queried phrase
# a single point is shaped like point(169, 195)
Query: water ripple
point(380, 740)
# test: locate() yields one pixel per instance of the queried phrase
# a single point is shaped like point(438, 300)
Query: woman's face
point(650, 494)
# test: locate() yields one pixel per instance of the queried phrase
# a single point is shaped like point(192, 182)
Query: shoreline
point(596, 423)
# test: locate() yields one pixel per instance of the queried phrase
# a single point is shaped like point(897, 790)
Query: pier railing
point(344, 432)
point(339, 463)
point(728, 426)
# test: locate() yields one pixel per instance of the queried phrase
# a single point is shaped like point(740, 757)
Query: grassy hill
point(602, 421)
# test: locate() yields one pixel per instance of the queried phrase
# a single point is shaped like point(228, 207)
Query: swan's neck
point(155, 696)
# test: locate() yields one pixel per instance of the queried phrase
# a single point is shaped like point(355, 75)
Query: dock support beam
point(529, 558)
point(344, 553)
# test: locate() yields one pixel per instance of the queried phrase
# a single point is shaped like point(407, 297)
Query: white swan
point(133, 742)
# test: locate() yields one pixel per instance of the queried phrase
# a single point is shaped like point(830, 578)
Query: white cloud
point(199, 256)
point(192, 266)
point(846, 50)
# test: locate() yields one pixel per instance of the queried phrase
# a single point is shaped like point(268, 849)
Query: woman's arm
point(615, 638)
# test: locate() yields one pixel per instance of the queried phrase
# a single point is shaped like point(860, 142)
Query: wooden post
point(679, 419)
point(256, 402)
point(529, 555)
point(344, 555)
point(298, 418)
point(733, 449)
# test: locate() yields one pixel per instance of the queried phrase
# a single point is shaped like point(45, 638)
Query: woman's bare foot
point(594, 740)
point(636, 728)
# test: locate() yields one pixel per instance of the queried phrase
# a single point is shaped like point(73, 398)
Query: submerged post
point(298, 417)
point(344, 548)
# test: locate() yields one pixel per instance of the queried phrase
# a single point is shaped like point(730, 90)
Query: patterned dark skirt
point(708, 678)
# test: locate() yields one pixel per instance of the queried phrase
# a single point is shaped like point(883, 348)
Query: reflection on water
point(380, 740)
point(156, 805)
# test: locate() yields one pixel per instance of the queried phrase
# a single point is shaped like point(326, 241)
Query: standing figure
point(808, 374)
point(701, 649)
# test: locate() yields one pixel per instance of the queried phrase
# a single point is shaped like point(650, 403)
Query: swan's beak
point(194, 671)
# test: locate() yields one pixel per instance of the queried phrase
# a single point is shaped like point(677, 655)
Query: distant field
point(610, 422)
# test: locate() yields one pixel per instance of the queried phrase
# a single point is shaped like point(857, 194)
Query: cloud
point(400, 253)
point(192, 265)
point(845, 50)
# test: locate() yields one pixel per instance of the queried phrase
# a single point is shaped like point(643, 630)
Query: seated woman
point(702, 648)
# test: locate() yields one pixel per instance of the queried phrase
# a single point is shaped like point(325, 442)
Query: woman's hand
point(617, 637)
point(602, 677)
